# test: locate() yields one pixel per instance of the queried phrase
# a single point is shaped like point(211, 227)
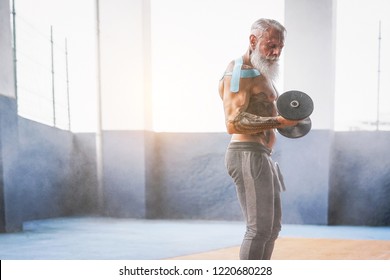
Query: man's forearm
point(246, 123)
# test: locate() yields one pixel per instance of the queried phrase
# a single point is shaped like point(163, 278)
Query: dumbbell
point(295, 105)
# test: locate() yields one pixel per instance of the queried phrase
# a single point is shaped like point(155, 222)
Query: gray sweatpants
point(258, 190)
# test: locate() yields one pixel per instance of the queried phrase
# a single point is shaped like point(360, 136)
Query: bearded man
point(248, 94)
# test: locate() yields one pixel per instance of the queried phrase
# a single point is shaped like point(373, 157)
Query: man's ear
point(252, 41)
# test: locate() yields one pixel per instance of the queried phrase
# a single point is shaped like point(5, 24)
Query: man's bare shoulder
point(236, 79)
point(232, 63)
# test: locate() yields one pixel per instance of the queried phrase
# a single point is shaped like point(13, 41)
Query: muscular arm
point(246, 123)
point(237, 118)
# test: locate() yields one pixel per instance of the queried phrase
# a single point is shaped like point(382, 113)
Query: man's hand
point(285, 122)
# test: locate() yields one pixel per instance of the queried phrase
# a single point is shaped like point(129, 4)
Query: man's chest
point(262, 98)
point(262, 90)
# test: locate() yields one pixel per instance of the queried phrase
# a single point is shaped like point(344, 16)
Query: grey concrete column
point(10, 210)
point(126, 105)
point(9, 215)
point(310, 55)
point(6, 70)
point(310, 67)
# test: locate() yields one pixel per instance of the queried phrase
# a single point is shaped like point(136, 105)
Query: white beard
point(268, 66)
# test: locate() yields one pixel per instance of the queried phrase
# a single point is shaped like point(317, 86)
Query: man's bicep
point(235, 102)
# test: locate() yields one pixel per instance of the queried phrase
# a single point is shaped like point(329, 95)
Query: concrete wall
point(331, 177)
point(48, 173)
point(52, 173)
point(359, 191)
point(189, 180)
point(56, 171)
point(185, 176)
point(7, 87)
point(124, 174)
point(8, 118)
point(177, 176)
point(305, 163)
point(8, 160)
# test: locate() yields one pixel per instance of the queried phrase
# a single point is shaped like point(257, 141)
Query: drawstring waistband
point(249, 146)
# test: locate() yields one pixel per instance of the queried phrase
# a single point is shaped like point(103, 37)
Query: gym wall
point(182, 176)
point(329, 176)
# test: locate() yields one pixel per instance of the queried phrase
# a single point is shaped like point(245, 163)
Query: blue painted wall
point(57, 171)
point(305, 164)
point(185, 176)
point(331, 178)
point(188, 179)
point(9, 219)
point(360, 179)
point(124, 174)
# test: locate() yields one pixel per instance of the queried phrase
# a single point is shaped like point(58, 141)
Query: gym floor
point(97, 238)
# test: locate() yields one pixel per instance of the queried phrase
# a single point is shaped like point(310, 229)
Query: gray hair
point(262, 25)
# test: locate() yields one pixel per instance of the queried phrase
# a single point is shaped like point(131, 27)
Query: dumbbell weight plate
point(297, 131)
point(294, 105)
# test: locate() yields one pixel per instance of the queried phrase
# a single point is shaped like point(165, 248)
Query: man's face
point(266, 52)
point(271, 45)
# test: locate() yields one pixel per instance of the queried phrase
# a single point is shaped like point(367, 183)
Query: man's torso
point(261, 103)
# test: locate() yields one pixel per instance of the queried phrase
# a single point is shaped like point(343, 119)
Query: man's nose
point(277, 52)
